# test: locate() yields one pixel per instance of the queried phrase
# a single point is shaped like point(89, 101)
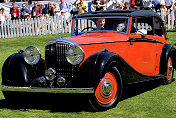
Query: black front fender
point(102, 62)
point(16, 72)
point(93, 68)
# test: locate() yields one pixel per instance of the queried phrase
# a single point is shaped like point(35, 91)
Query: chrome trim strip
point(47, 90)
point(62, 40)
point(129, 40)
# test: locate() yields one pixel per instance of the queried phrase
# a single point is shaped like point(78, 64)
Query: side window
point(142, 23)
point(157, 27)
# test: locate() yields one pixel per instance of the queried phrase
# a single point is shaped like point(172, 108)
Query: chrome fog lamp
point(50, 74)
point(32, 55)
point(75, 55)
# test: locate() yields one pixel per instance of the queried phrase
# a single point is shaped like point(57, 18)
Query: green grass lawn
point(157, 101)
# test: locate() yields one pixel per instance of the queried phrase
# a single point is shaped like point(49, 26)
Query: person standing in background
point(159, 5)
point(74, 10)
point(23, 11)
point(36, 10)
point(30, 6)
point(27, 16)
point(139, 4)
point(111, 4)
point(14, 11)
point(90, 6)
point(120, 1)
point(121, 6)
point(82, 7)
point(64, 6)
point(132, 4)
point(3, 16)
point(148, 4)
point(50, 9)
point(170, 8)
point(126, 1)
point(170, 4)
point(126, 6)
point(99, 5)
point(56, 9)
point(44, 12)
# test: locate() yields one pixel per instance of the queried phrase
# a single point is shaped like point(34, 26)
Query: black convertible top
point(118, 13)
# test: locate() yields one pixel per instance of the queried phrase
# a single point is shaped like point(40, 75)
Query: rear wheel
point(169, 72)
point(108, 91)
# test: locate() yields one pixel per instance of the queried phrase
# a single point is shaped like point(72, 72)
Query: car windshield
point(100, 24)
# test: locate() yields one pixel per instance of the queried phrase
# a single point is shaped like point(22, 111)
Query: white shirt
point(161, 2)
point(73, 6)
point(147, 3)
point(119, 1)
point(2, 18)
point(125, 1)
point(29, 7)
point(111, 4)
point(169, 2)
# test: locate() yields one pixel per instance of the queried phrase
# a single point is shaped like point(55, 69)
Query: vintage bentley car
point(107, 51)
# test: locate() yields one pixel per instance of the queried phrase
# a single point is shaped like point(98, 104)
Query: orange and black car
point(107, 51)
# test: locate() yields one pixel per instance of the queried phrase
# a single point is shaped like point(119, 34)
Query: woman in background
point(44, 12)
point(50, 9)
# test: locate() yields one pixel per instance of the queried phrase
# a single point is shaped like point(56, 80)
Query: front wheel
point(169, 72)
point(108, 91)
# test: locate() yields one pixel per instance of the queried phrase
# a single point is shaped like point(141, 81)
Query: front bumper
point(47, 90)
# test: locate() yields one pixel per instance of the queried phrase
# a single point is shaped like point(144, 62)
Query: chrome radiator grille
point(55, 56)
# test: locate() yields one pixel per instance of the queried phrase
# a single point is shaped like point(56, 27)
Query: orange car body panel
point(94, 42)
point(143, 56)
point(147, 53)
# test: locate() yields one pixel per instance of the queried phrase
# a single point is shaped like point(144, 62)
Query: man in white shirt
point(170, 4)
point(147, 4)
point(3, 16)
point(30, 5)
point(111, 4)
point(64, 6)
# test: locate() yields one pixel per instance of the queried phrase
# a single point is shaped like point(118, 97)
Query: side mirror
point(142, 32)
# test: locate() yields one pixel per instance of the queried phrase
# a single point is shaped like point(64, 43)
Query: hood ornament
point(59, 35)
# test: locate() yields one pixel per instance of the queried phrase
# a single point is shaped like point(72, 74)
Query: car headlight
point(32, 55)
point(75, 55)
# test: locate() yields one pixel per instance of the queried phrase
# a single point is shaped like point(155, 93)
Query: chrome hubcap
point(107, 88)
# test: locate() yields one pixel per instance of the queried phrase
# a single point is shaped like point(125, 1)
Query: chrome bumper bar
point(47, 90)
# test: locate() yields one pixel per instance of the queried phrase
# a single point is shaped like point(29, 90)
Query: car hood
point(98, 38)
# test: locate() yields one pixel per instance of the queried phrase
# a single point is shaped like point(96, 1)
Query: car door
point(144, 51)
